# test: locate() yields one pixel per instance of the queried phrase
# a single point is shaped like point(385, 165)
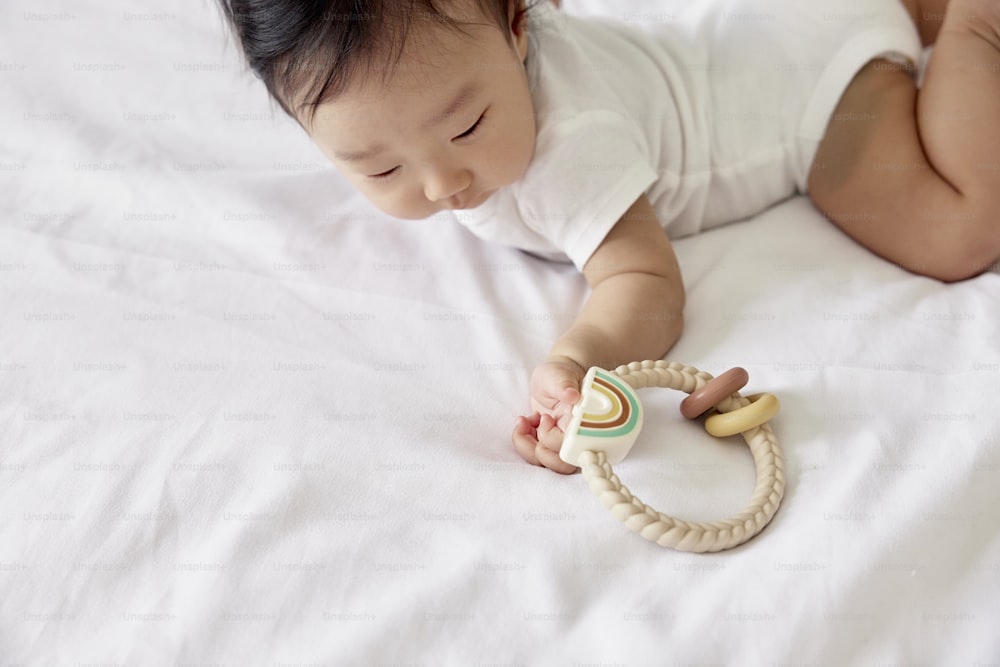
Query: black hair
point(307, 51)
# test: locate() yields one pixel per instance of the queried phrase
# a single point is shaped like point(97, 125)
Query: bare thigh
point(910, 178)
point(928, 16)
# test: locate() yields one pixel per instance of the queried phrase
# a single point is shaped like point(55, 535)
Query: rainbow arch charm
point(606, 419)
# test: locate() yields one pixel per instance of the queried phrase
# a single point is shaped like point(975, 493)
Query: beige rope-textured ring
point(606, 422)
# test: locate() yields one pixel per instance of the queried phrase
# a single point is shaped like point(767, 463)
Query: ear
point(517, 19)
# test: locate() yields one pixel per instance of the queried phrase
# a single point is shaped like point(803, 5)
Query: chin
point(409, 215)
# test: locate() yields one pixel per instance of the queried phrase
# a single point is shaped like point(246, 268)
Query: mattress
point(249, 420)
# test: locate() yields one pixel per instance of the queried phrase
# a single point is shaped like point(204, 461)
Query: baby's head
point(422, 104)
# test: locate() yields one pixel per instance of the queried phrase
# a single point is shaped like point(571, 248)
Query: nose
point(442, 184)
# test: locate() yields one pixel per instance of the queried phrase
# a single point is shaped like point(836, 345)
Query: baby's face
point(452, 123)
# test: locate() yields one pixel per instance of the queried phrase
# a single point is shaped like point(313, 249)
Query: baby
point(598, 142)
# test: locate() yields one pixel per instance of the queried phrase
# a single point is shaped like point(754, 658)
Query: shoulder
point(577, 64)
point(571, 137)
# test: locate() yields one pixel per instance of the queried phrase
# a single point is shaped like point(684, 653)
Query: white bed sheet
point(248, 420)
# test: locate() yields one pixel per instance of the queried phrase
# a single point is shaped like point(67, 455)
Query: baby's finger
point(528, 424)
point(571, 395)
point(570, 390)
point(524, 440)
point(551, 460)
point(548, 434)
point(559, 387)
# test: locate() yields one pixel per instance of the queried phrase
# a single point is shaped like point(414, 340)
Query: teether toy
point(605, 424)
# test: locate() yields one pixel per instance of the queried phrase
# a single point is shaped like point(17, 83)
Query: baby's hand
point(555, 389)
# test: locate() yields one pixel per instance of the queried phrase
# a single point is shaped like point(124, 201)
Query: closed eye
point(384, 174)
point(472, 130)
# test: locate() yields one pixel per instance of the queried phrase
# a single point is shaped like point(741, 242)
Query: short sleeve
point(586, 173)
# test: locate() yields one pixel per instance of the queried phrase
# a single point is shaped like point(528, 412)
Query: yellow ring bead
point(761, 409)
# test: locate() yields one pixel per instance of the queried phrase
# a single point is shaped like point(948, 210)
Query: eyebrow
point(464, 95)
point(358, 156)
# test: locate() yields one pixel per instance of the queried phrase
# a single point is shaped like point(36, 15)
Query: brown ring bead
point(713, 392)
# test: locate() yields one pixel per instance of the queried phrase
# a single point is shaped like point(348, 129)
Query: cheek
point(522, 138)
point(405, 201)
point(518, 145)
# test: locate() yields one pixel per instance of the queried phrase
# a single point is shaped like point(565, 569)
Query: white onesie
point(715, 112)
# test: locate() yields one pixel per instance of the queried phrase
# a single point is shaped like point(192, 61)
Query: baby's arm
point(635, 312)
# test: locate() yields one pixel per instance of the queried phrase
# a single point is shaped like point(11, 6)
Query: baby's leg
point(928, 15)
point(915, 175)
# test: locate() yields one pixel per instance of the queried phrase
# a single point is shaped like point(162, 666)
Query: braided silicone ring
point(668, 531)
point(761, 409)
point(716, 389)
